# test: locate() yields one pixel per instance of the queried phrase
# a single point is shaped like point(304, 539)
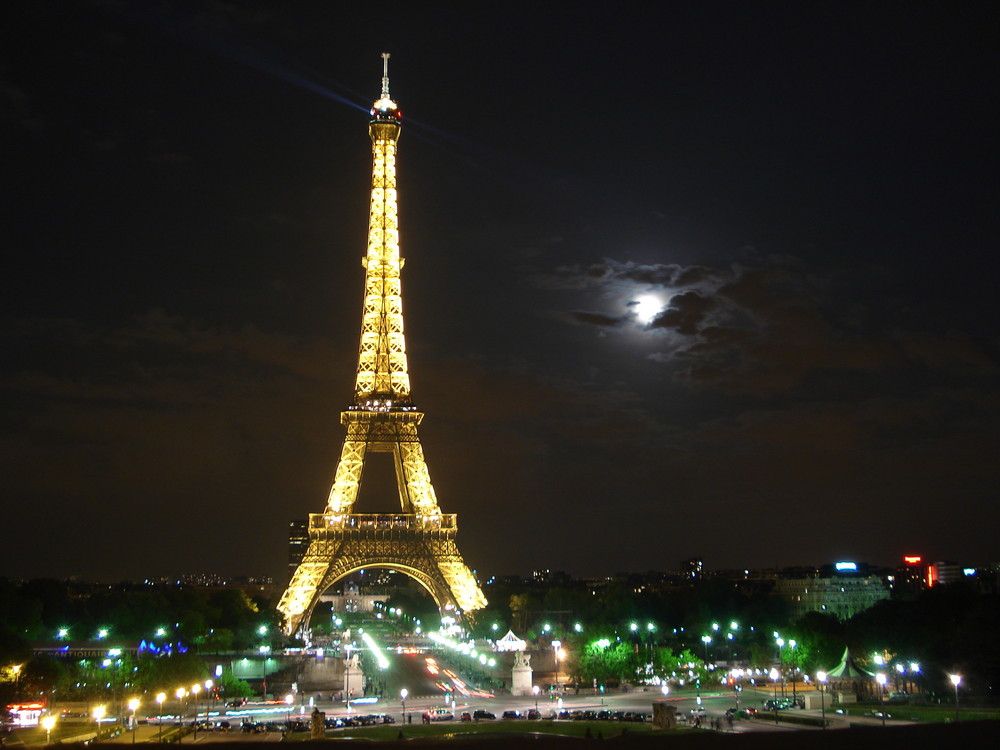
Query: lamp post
point(209, 695)
point(196, 688)
point(402, 699)
point(821, 678)
point(180, 693)
point(534, 689)
point(774, 676)
point(47, 723)
point(781, 667)
point(956, 680)
point(160, 697)
point(791, 645)
point(881, 680)
point(133, 705)
point(288, 708)
point(98, 715)
point(556, 650)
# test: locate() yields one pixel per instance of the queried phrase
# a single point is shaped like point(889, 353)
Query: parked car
point(439, 714)
point(512, 714)
point(480, 714)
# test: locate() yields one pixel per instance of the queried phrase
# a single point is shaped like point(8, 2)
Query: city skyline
point(694, 280)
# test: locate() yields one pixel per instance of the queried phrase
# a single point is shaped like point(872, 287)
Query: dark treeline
point(176, 622)
point(947, 629)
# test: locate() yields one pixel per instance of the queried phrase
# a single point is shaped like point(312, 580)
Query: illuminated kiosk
point(420, 540)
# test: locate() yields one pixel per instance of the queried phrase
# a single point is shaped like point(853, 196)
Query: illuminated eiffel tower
point(420, 540)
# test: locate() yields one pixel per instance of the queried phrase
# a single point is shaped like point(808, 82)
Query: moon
point(646, 308)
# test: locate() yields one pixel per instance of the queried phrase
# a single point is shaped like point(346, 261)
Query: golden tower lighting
point(420, 540)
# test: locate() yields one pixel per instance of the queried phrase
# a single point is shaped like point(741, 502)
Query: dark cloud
point(686, 313)
point(594, 319)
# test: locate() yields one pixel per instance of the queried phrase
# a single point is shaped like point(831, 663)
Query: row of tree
point(944, 630)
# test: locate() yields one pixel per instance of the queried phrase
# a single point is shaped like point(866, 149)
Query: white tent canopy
point(510, 642)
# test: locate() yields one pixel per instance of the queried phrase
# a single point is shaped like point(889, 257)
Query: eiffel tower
point(420, 540)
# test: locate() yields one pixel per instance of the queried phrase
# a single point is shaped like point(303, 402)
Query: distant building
point(842, 589)
point(945, 572)
point(298, 543)
point(352, 600)
point(912, 576)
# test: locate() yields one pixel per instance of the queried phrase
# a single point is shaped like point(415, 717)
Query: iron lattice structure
point(419, 541)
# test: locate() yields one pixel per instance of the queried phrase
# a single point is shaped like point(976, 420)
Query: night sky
point(682, 279)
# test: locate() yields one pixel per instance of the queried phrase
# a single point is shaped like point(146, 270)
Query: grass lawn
point(923, 713)
point(605, 729)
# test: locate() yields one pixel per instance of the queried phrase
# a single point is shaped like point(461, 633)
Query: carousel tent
point(848, 670)
point(510, 642)
point(847, 677)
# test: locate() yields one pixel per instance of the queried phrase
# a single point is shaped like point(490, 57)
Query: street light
point(47, 723)
point(781, 667)
point(403, 692)
point(133, 705)
point(196, 688)
point(774, 676)
point(792, 644)
point(180, 693)
point(98, 715)
point(880, 678)
point(557, 655)
point(534, 689)
point(208, 695)
point(956, 679)
point(706, 639)
point(160, 697)
point(821, 676)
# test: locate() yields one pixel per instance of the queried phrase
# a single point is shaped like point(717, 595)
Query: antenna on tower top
point(385, 75)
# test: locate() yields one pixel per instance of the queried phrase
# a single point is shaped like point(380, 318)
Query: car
point(533, 715)
point(479, 714)
point(511, 714)
point(439, 714)
point(466, 716)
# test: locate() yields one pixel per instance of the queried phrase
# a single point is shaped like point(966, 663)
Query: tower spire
point(385, 75)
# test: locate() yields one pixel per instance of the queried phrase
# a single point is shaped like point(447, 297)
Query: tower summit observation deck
point(419, 540)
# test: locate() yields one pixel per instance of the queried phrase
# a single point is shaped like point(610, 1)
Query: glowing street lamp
point(534, 689)
point(706, 639)
point(774, 677)
point(209, 695)
point(180, 693)
point(160, 697)
point(403, 692)
point(821, 676)
point(880, 678)
point(133, 705)
point(196, 688)
point(956, 680)
point(47, 723)
point(98, 715)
